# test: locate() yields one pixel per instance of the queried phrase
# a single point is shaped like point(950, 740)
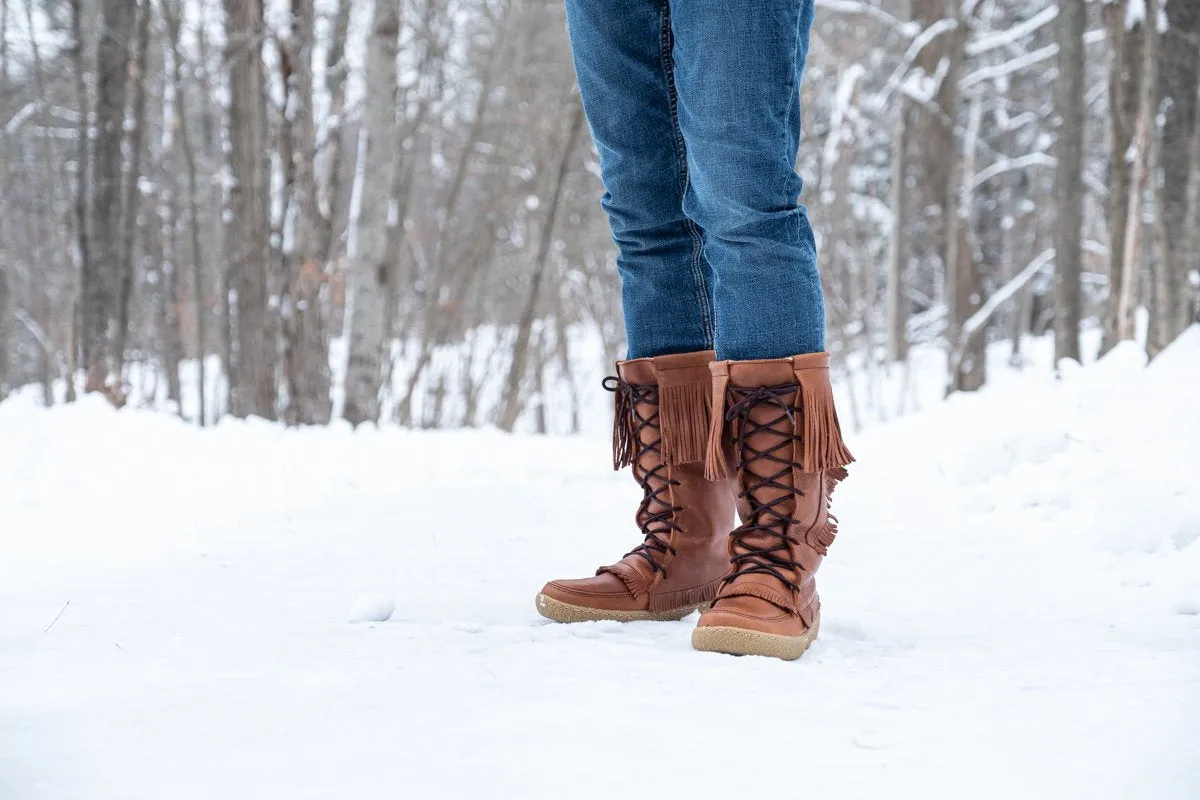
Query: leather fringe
point(824, 537)
point(821, 436)
point(716, 466)
point(832, 478)
point(683, 414)
point(686, 597)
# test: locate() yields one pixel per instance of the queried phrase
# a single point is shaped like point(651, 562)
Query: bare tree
point(1141, 149)
point(305, 343)
point(520, 359)
point(1124, 80)
point(171, 16)
point(102, 276)
point(1069, 97)
point(946, 163)
point(371, 287)
point(253, 378)
point(5, 291)
point(133, 176)
point(897, 297)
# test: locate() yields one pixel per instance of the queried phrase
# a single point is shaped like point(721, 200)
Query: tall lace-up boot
point(660, 427)
point(776, 419)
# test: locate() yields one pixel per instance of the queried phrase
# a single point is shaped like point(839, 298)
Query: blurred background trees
point(377, 210)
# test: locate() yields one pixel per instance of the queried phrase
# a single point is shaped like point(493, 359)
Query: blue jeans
point(694, 106)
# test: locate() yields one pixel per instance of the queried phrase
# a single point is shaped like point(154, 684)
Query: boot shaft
point(775, 429)
point(661, 423)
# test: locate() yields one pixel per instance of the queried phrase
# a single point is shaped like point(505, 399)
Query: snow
point(1012, 609)
point(1135, 14)
point(372, 608)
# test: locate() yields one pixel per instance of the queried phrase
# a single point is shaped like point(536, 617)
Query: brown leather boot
point(661, 426)
point(778, 419)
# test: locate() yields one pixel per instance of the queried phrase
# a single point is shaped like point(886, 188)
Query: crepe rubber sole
point(559, 611)
point(744, 642)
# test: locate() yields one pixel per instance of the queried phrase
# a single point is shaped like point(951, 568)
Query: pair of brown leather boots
point(706, 438)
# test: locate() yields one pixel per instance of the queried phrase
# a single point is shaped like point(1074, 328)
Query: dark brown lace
point(766, 518)
point(631, 400)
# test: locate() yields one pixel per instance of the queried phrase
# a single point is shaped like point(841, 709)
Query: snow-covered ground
point(1012, 610)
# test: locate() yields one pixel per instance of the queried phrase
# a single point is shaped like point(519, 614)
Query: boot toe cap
point(603, 598)
point(750, 613)
point(602, 587)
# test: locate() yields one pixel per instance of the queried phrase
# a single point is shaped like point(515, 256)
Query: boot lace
point(632, 399)
point(767, 468)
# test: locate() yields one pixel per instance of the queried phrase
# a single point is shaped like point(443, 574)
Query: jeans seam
point(700, 285)
point(793, 230)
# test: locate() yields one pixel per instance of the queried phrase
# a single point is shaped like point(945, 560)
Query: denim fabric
point(695, 110)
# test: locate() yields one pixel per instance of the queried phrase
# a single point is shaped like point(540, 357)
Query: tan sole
point(743, 642)
point(559, 611)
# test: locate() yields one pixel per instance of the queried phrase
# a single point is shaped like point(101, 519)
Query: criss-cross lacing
point(637, 410)
point(770, 518)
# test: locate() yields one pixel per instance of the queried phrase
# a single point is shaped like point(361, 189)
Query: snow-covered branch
point(914, 49)
point(1010, 35)
point(1005, 293)
point(908, 29)
point(1019, 63)
point(1010, 164)
point(842, 115)
point(34, 329)
point(18, 119)
point(33, 107)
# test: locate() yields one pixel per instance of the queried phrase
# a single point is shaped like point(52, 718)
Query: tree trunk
point(1189, 303)
point(964, 282)
point(370, 272)
point(171, 15)
point(1179, 77)
point(5, 291)
point(946, 201)
point(5, 317)
point(1166, 286)
point(520, 357)
point(335, 87)
point(897, 295)
point(1140, 179)
point(305, 345)
point(206, 144)
point(254, 391)
point(166, 254)
point(1069, 90)
point(132, 202)
point(1124, 78)
point(929, 127)
point(102, 276)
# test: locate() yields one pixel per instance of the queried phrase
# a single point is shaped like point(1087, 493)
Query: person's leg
point(623, 58)
point(622, 52)
point(737, 69)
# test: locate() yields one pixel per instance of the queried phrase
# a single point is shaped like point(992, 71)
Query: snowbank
point(1012, 609)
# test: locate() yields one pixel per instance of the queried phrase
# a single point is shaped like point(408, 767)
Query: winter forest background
point(388, 211)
